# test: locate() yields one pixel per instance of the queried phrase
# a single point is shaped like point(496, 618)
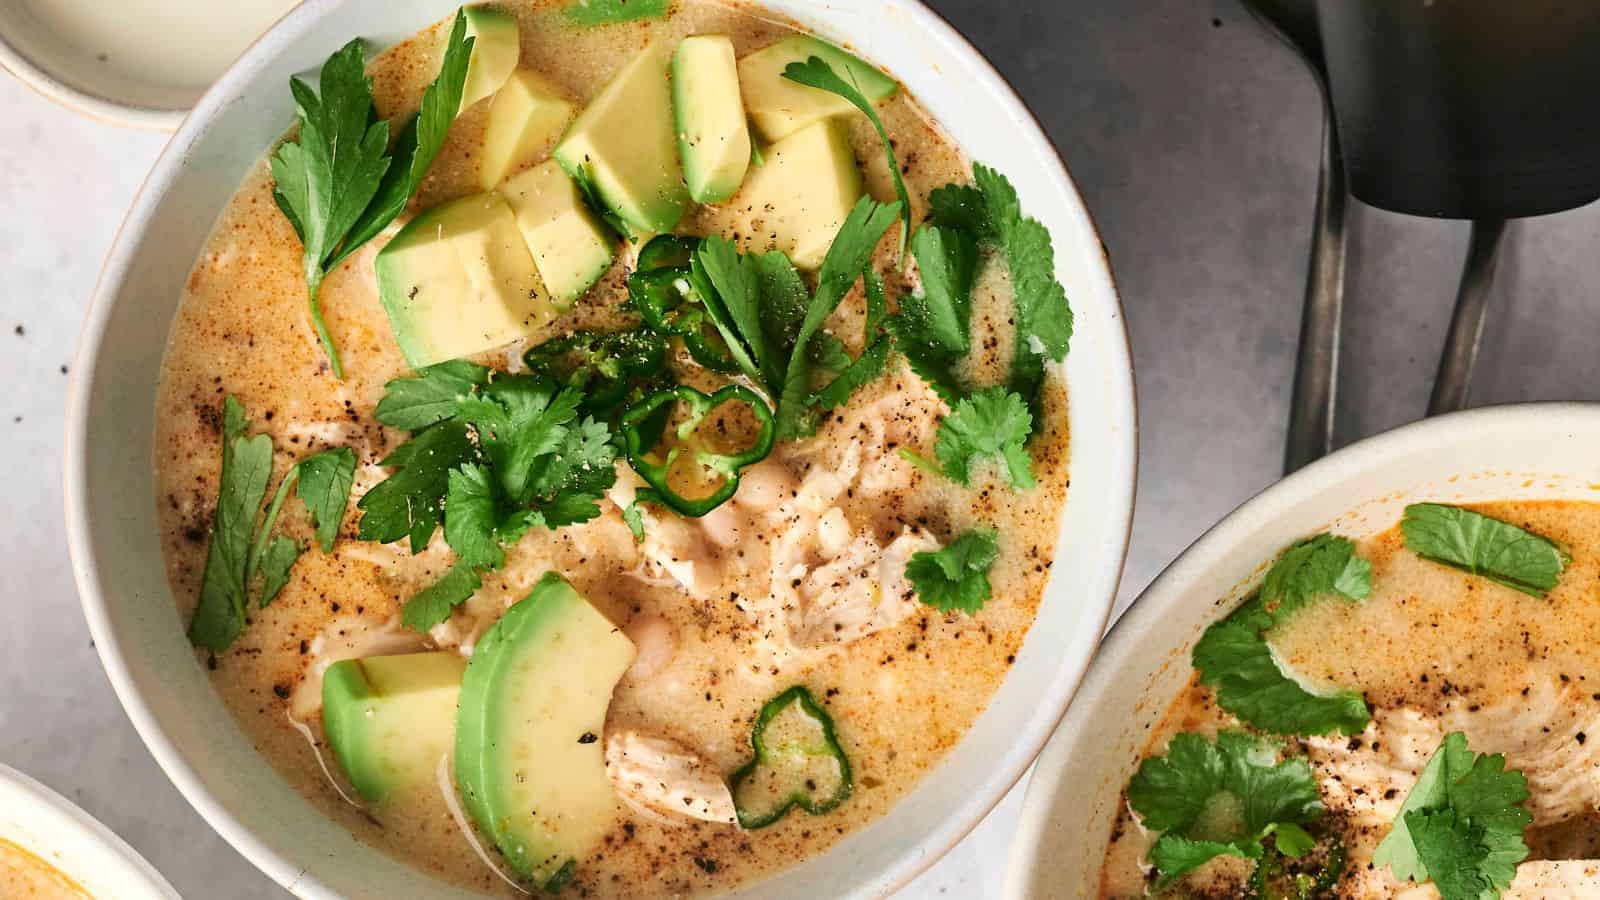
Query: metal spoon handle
point(1454, 379)
point(1317, 368)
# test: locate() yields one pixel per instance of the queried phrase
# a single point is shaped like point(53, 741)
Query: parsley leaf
point(1496, 550)
point(470, 517)
point(735, 308)
point(591, 13)
point(816, 73)
point(933, 362)
point(861, 371)
point(567, 485)
point(431, 396)
point(337, 183)
point(992, 422)
point(848, 255)
point(275, 565)
point(1235, 661)
point(1461, 824)
point(1043, 318)
point(324, 488)
point(784, 299)
point(1325, 564)
point(246, 466)
point(518, 421)
point(411, 501)
point(1213, 799)
point(433, 604)
point(956, 577)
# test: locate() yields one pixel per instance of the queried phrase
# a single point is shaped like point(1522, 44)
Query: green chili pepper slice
point(672, 301)
point(798, 762)
point(667, 251)
point(725, 467)
point(608, 367)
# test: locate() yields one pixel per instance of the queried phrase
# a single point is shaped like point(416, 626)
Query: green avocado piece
point(780, 107)
point(570, 247)
point(529, 761)
point(459, 280)
point(713, 136)
point(496, 48)
point(390, 719)
point(625, 142)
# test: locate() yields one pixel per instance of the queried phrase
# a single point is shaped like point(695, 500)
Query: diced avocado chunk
point(625, 142)
point(390, 719)
point(798, 198)
point(713, 136)
point(459, 280)
point(526, 117)
point(780, 107)
point(570, 247)
point(529, 763)
point(496, 48)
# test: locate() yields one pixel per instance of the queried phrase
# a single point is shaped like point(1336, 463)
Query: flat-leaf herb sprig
point(339, 183)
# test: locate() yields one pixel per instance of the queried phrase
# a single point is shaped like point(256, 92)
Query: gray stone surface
point(1193, 137)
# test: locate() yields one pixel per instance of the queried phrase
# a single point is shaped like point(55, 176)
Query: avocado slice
point(496, 48)
point(797, 199)
point(625, 142)
point(780, 107)
point(713, 136)
point(526, 117)
point(529, 763)
point(391, 718)
point(570, 247)
point(459, 280)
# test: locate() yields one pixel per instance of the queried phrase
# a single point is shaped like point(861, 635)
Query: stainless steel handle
point(1317, 368)
point(1454, 379)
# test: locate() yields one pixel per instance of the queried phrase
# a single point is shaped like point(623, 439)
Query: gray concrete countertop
point(1193, 137)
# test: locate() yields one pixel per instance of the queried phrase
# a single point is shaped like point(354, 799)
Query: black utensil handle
point(1317, 366)
point(1454, 379)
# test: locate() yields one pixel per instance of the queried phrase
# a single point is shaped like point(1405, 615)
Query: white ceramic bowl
point(51, 828)
point(111, 502)
point(1530, 451)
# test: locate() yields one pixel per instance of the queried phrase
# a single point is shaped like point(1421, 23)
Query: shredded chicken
point(660, 774)
point(347, 637)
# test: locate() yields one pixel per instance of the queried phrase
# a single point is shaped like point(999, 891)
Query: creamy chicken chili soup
point(612, 447)
point(1414, 714)
point(24, 876)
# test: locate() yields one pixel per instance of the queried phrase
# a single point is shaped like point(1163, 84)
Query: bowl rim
point(79, 840)
point(1117, 381)
point(45, 83)
point(1125, 643)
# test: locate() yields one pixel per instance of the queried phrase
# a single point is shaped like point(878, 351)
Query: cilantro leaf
point(517, 421)
point(324, 487)
point(431, 396)
point(992, 422)
point(411, 501)
point(960, 206)
point(419, 141)
point(592, 13)
point(848, 255)
point(933, 362)
point(816, 73)
point(246, 466)
point(956, 577)
point(1461, 824)
point(275, 565)
point(633, 517)
point(1496, 550)
point(1235, 661)
point(568, 484)
point(1211, 799)
point(784, 298)
point(433, 604)
point(1321, 565)
point(470, 517)
point(947, 260)
point(1043, 318)
point(337, 182)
